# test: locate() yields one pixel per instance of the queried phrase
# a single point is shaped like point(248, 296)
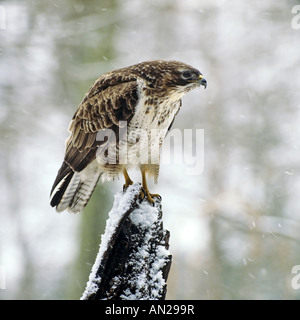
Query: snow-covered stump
point(133, 261)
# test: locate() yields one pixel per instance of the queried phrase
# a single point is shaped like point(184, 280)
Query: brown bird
point(121, 124)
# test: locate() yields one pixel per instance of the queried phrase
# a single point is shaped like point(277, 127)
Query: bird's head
point(174, 76)
point(181, 74)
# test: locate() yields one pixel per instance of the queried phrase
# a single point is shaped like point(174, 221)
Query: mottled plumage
point(128, 110)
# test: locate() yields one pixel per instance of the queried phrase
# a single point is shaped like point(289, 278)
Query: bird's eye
point(187, 74)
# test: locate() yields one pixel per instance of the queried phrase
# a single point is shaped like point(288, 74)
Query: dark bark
point(133, 261)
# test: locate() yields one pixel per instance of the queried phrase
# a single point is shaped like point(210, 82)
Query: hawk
point(119, 125)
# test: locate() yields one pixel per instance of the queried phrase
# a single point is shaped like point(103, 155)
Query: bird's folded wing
point(110, 100)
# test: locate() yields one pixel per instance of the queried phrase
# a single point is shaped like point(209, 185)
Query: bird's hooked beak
point(202, 81)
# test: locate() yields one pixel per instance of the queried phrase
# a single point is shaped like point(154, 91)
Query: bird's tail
point(72, 190)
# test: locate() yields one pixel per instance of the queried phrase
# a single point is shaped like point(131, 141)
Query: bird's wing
point(111, 99)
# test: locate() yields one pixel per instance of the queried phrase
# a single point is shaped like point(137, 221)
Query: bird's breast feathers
point(154, 111)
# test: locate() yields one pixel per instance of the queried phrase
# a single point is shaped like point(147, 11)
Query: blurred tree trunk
point(94, 215)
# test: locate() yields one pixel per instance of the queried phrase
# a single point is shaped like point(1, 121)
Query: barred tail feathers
point(73, 191)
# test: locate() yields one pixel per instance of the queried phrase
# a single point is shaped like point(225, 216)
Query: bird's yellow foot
point(128, 181)
point(146, 194)
point(126, 185)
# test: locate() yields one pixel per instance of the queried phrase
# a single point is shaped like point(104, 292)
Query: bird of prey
point(119, 125)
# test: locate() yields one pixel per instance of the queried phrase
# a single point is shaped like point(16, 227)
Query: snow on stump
point(133, 261)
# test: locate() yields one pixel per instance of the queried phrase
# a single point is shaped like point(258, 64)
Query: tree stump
point(133, 261)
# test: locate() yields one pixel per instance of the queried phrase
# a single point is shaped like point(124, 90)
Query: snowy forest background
point(234, 228)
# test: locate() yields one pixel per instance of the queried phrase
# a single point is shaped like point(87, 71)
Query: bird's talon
point(126, 185)
point(155, 195)
point(146, 194)
point(142, 194)
point(128, 181)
